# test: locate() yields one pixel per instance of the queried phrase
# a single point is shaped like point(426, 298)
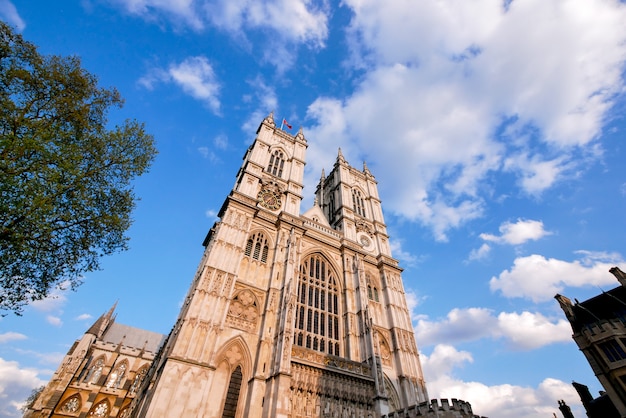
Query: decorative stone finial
point(365, 169)
point(340, 157)
point(270, 119)
point(300, 135)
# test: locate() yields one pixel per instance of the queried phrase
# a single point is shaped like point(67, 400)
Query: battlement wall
point(436, 408)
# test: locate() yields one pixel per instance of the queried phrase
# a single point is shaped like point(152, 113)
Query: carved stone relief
point(243, 312)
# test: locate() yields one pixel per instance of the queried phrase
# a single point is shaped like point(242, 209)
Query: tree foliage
point(30, 401)
point(65, 176)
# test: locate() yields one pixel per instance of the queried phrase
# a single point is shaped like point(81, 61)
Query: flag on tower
point(286, 123)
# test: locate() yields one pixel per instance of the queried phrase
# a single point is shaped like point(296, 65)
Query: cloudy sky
point(492, 126)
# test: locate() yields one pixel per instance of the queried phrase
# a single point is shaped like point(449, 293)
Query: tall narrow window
point(117, 376)
point(138, 379)
point(232, 396)
point(257, 247)
point(318, 312)
point(277, 162)
point(357, 202)
point(95, 371)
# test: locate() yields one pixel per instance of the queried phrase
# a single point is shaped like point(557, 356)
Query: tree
point(30, 401)
point(65, 176)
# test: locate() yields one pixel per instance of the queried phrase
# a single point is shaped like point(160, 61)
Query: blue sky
point(494, 129)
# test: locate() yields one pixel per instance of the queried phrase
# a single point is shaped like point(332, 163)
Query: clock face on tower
point(269, 199)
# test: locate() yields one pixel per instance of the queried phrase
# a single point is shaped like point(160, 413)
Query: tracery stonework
point(243, 312)
point(317, 392)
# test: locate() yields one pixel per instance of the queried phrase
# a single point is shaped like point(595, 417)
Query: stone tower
point(290, 314)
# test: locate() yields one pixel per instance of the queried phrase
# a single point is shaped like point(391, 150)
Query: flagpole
point(281, 124)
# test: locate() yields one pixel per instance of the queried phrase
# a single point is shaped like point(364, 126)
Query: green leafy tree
point(65, 176)
point(30, 401)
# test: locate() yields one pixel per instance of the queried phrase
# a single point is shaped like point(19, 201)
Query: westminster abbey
point(290, 313)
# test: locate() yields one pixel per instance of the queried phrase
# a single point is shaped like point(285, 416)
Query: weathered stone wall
point(458, 409)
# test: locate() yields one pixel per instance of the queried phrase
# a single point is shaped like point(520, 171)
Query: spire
point(322, 181)
point(340, 158)
point(300, 135)
point(103, 322)
point(365, 169)
point(269, 121)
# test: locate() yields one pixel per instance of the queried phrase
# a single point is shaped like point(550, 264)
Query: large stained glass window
point(318, 307)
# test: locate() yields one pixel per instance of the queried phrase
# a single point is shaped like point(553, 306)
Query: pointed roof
point(340, 157)
point(316, 214)
point(365, 169)
point(103, 322)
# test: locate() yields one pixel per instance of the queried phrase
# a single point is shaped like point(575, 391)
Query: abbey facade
point(290, 314)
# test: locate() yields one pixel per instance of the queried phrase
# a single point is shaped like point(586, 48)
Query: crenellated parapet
point(436, 408)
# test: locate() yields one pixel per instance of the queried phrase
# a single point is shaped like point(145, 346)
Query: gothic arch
point(279, 159)
point(234, 368)
point(259, 248)
point(140, 374)
point(281, 148)
point(235, 352)
point(392, 394)
point(72, 404)
point(331, 262)
point(96, 368)
point(358, 201)
point(319, 306)
point(101, 409)
point(386, 356)
point(117, 375)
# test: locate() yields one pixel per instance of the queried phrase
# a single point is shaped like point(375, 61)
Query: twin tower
point(289, 314)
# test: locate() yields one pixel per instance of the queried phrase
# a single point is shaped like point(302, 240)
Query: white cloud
point(518, 233)
point(183, 12)
point(480, 253)
point(429, 113)
point(539, 278)
point(221, 142)
point(266, 102)
point(521, 331)
point(54, 320)
point(55, 300)
point(211, 214)
point(194, 75)
point(11, 336)
point(300, 21)
point(504, 400)
point(281, 24)
point(9, 13)
point(16, 385)
point(84, 317)
point(407, 259)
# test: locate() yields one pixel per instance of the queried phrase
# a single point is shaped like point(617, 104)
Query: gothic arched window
point(116, 377)
point(317, 312)
point(331, 207)
point(257, 247)
point(277, 161)
point(357, 202)
point(138, 379)
point(95, 371)
point(71, 405)
point(101, 410)
point(232, 396)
